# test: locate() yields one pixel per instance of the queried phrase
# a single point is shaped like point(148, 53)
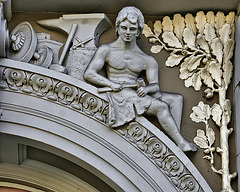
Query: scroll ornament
point(203, 47)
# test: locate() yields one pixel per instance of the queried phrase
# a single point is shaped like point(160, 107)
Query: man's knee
point(158, 106)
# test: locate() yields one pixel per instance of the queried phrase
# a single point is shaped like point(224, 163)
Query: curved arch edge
point(136, 156)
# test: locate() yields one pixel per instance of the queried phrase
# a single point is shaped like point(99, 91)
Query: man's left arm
point(152, 78)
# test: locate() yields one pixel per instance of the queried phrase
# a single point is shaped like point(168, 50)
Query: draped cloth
point(125, 105)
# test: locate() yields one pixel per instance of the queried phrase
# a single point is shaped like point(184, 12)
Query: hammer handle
point(108, 89)
point(140, 83)
point(68, 43)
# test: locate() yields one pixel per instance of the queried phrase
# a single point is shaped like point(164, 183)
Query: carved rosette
point(66, 93)
point(40, 84)
point(14, 78)
point(94, 106)
point(54, 90)
point(162, 156)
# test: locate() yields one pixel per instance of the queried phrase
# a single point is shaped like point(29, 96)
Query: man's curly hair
point(133, 14)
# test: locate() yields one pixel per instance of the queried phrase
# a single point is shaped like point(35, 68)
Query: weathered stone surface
point(136, 157)
point(78, 60)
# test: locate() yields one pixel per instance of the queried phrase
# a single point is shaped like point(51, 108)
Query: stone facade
point(51, 117)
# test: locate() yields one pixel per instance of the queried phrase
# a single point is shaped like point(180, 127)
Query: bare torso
point(124, 66)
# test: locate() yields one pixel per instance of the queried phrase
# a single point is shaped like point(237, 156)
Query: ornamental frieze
point(54, 90)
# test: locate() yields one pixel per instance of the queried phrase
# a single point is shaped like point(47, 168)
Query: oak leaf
point(215, 71)
point(156, 48)
point(157, 28)
point(147, 32)
point(210, 136)
point(203, 43)
point(167, 24)
point(194, 62)
point(178, 23)
point(189, 81)
point(174, 60)
point(200, 21)
point(171, 39)
point(216, 113)
point(225, 33)
point(194, 81)
point(201, 139)
point(184, 72)
point(201, 113)
point(227, 72)
point(206, 77)
point(197, 81)
point(189, 38)
point(209, 32)
point(217, 49)
point(228, 50)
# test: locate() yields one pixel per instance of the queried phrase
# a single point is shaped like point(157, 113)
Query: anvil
point(89, 26)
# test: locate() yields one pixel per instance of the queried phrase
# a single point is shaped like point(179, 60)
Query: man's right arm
point(97, 63)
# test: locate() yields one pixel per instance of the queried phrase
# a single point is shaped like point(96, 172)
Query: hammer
point(140, 83)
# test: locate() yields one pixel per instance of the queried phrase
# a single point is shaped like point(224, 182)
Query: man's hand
point(116, 87)
point(142, 91)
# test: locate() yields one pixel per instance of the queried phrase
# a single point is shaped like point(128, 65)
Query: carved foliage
point(54, 90)
point(161, 155)
point(201, 45)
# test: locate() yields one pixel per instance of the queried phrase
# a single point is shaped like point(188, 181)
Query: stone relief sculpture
point(84, 31)
point(210, 44)
point(127, 94)
point(24, 44)
point(4, 37)
point(203, 47)
point(28, 46)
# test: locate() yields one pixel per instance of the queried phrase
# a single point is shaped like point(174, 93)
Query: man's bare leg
point(161, 110)
point(175, 103)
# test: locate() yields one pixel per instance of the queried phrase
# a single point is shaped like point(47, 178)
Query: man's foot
point(187, 146)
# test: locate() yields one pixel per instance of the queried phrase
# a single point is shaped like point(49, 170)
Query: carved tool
point(43, 57)
point(23, 42)
point(92, 25)
point(68, 43)
point(81, 43)
point(140, 83)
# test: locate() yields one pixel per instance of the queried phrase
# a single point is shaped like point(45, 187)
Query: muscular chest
point(126, 61)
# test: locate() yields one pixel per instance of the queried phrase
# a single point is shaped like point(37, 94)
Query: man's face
point(128, 31)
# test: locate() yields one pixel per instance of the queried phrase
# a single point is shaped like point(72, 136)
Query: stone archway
point(68, 115)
